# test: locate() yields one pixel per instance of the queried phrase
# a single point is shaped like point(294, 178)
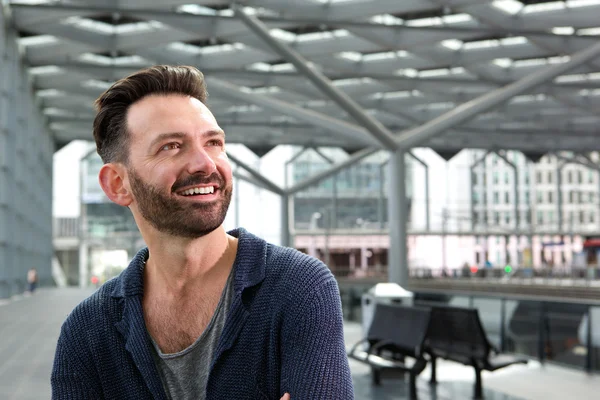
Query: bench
point(396, 333)
point(456, 334)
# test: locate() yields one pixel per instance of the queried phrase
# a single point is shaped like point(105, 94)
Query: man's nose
point(201, 162)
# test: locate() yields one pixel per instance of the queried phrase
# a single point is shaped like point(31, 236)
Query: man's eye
point(170, 146)
point(215, 142)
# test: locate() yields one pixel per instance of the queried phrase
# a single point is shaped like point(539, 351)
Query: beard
point(177, 217)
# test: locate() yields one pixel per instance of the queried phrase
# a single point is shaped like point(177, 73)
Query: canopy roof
point(403, 62)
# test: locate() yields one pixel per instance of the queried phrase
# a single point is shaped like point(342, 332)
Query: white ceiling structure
point(404, 62)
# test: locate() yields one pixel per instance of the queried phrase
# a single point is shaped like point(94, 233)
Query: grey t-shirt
point(184, 375)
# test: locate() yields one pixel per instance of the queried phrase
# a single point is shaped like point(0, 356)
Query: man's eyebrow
point(215, 132)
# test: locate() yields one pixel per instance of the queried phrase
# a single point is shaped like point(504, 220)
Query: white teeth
point(199, 190)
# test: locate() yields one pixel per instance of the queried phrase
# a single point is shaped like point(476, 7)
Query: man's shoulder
point(296, 267)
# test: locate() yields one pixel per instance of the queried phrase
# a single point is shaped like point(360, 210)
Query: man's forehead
point(163, 111)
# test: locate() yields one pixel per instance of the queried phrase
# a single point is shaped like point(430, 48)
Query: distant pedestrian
point(32, 279)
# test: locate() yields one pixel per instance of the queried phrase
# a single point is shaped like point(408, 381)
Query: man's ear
point(112, 183)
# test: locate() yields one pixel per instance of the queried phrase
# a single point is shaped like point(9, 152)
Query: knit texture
point(284, 333)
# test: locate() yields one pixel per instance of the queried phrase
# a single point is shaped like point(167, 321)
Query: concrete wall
point(26, 149)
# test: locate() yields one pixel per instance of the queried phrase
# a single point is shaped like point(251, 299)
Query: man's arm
point(314, 360)
point(71, 379)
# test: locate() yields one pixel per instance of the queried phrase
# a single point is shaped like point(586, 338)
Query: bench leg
point(412, 388)
point(433, 379)
point(375, 376)
point(478, 385)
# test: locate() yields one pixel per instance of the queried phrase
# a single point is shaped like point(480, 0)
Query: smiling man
point(200, 313)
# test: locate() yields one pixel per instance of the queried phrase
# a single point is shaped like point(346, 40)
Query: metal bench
point(456, 334)
point(395, 342)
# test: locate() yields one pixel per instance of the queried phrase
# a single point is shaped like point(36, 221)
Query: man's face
point(178, 170)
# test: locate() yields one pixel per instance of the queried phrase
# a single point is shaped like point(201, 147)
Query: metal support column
point(285, 220)
point(398, 217)
point(483, 201)
point(381, 202)
point(424, 164)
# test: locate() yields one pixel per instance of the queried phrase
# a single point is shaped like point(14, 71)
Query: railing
point(65, 227)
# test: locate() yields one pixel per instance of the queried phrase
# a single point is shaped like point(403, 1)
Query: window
point(527, 197)
point(550, 197)
point(506, 197)
point(526, 176)
point(475, 197)
point(496, 198)
point(495, 178)
point(571, 197)
point(540, 217)
point(507, 218)
point(551, 217)
point(590, 176)
point(581, 217)
point(550, 179)
point(591, 197)
point(538, 177)
point(579, 177)
point(496, 217)
point(570, 177)
point(506, 177)
point(474, 178)
point(540, 197)
point(580, 197)
point(592, 218)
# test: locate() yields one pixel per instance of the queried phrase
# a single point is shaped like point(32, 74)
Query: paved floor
point(29, 328)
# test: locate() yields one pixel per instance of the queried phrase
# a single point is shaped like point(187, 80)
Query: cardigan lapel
point(133, 329)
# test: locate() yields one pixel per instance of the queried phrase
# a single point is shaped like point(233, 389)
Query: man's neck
point(179, 265)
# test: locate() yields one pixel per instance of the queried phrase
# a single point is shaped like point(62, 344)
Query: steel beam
point(416, 136)
point(266, 183)
point(341, 128)
point(321, 82)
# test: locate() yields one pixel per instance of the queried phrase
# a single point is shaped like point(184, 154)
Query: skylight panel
point(544, 7)
point(571, 78)
point(45, 70)
point(338, 33)
point(221, 48)
point(38, 40)
point(437, 21)
point(285, 67)
point(196, 9)
point(563, 30)
point(90, 25)
point(266, 90)
point(184, 47)
point(283, 34)
point(452, 44)
point(386, 55)
point(511, 7)
point(503, 62)
point(386, 19)
point(50, 93)
point(582, 3)
point(96, 84)
point(408, 72)
point(589, 92)
point(354, 56)
point(94, 59)
point(482, 44)
point(589, 31)
point(139, 27)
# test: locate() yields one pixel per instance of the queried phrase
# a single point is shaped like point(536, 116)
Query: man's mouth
point(198, 190)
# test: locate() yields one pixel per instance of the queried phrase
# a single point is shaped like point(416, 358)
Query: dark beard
point(176, 217)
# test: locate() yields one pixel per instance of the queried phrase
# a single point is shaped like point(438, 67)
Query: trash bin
point(382, 293)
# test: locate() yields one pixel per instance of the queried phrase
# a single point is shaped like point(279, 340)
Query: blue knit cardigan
point(284, 333)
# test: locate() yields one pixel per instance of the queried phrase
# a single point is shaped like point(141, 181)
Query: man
point(200, 313)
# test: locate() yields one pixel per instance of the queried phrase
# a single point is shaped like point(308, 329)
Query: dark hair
point(110, 124)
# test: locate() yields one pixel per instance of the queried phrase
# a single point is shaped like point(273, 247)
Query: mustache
point(194, 180)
